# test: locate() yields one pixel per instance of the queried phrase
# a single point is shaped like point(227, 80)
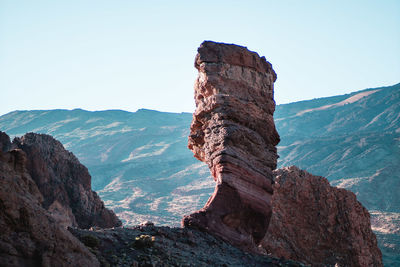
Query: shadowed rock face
point(233, 131)
point(64, 183)
point(5, 142)
point(29, 235)
point(318, 224)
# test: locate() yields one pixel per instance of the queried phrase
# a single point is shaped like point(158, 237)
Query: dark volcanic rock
point(5, 143)
point(64, 183)
point(29, 235)
point(165, 246)
point(318, 224)
point(233, 131)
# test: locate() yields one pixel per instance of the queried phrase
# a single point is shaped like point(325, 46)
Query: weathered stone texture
point(29, 235)
point(233, 131)
point(318, 224)
point(64, 183)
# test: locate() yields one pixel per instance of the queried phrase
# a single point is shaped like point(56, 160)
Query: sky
point(120, 54)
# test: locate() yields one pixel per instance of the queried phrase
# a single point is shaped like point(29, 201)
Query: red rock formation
point(233, 131)
point(29, 235)
point(318, 224)
point(64, 183)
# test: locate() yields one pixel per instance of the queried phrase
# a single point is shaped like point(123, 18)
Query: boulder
point(318, 224)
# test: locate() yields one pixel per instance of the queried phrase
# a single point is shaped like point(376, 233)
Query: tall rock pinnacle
point(233, 131)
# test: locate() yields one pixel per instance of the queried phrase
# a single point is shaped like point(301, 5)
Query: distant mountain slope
point(354, 144)
point(142, 169)
point(140, 165)
point(354, 141)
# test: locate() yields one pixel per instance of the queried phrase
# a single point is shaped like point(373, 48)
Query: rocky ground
point(149, 245)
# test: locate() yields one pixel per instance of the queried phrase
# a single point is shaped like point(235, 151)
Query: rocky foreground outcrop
point(43, 189)
point(64, 183)
point(29, 235)
point(318, 224)
point(233, 131)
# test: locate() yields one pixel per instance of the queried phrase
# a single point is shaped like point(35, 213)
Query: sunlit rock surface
point(233, 132)
point(318, 224)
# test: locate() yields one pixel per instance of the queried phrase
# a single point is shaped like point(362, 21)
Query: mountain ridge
point(142, 169)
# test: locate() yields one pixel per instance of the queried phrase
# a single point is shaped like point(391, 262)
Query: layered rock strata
point(29, 235)
point(318, 224)
point(64, 183)
point(233, 131)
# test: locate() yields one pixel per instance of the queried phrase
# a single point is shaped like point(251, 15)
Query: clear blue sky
point(127, 55)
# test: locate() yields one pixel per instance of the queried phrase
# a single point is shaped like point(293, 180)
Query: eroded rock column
point(233, 131)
